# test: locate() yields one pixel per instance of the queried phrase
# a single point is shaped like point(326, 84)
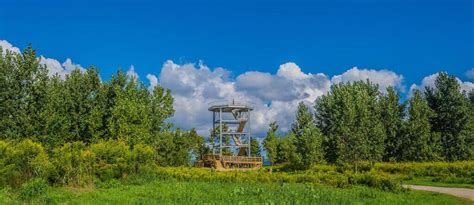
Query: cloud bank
point(274, 96)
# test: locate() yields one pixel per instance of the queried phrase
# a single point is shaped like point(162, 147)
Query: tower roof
point(230, 105)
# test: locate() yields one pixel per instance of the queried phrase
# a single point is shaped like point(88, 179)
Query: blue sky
point(413, 39)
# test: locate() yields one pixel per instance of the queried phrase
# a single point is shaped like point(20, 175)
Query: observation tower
point(230, 126)
point(230, 137)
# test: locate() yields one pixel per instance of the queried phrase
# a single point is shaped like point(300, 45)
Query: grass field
point(181, 192)
point(435, 181)
point(322, 184)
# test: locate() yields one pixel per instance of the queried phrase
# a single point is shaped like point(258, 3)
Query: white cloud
point(131, 73)
point(384, 78)
point(470, 73)
point(274, 97)
point(429, 81)
point(291, 71)
point(8, 46)
point(153, 81)
point(55, 67)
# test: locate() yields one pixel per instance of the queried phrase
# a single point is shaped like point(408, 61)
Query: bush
point(434, 169)
point(141, 159)
point(33, 189)
point(111, 159)
point(23, 161)
point(375, 180)
point(332, 178)
point(74, 164)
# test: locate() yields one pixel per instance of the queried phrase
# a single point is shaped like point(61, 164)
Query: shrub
point(111, 159)
point(74, 164)
point(375, 180)
point(23, 161)
point(141, 159)
point(433, 169)
point(33, 189)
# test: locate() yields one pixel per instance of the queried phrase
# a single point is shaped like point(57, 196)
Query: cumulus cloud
point(8, 46)
point(274, 97)
point(384, 78)
point(131, 73)
point(55, 67)
point(429, 81)
point(470, 73)
point(153, 81)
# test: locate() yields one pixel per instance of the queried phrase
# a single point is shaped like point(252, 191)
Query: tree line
point(80, 107)
point(353, 123)
point(356, 123)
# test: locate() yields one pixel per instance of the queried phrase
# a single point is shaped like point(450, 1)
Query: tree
point(161, 108)
point(22, 94)
point(392, 118)
point(451, 117)
point(286, 149)
point(130, 115)
point(8, 100)
point(308, 139)
point(304, 118)
point(349, 117)
point(418, 143)
point(270, 142)
point(255, 149)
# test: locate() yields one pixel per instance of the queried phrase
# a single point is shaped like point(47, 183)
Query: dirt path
point(459, 192)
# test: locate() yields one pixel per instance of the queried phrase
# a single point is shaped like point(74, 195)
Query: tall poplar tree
point(451, 117)
point(418, 143)
point(270, 142)
point(392, 113)
point(308, 139)
point(350, 118)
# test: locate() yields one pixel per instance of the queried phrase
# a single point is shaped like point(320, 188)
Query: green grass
point(198, 192)
point(436, 181)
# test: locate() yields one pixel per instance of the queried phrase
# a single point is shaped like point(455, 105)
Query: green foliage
point(22, 94)
point(177, 148)
point(111, 159)
point(33, 189)
point(286, 149)
point(349, 116)
point(418, 143)
point(129, 116)
point(451, 117)
point(76, 107)
point(307, 139)
point(461, 169)
point(270, 143)
point(255, 149)
point(383, 182)
point(22, 161)
point(200, 192)
point(141, 159)
point(74, 164)
point(392, 118)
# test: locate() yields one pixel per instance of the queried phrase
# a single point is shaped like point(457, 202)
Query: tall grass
point(172, 191)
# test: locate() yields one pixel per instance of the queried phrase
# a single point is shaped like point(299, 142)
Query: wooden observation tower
point(231, 134)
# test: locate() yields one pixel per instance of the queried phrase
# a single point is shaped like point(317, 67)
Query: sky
point(272, 53)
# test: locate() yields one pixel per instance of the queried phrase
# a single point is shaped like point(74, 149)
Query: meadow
point(324, 184)
point(173, 191)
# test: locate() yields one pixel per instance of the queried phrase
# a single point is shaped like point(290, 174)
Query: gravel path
point(459, 192)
